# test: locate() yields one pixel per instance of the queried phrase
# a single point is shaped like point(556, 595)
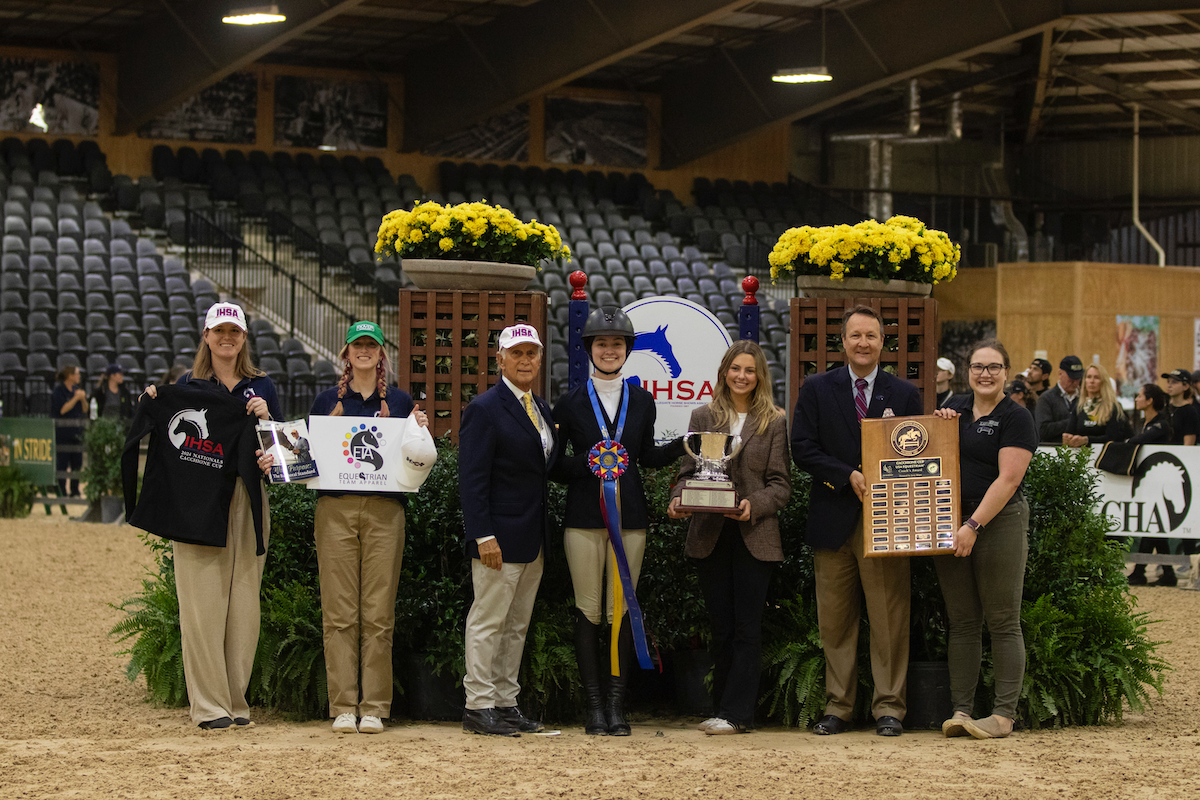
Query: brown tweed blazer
point(760, 473)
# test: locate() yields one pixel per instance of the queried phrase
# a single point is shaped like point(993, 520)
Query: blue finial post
point(748, 313)
point(577, 314)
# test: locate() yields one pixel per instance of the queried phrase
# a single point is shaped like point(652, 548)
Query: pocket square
point(887, 412)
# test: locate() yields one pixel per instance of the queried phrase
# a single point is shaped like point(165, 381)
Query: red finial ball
point(750, 287)
point(578, 279)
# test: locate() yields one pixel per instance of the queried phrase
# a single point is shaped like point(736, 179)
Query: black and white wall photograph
point(503, 137)
point(225, 112)
point(332, 114)
point(67, 91)
point(610, 133)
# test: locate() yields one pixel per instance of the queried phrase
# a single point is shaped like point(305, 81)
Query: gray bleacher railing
point(295, 291)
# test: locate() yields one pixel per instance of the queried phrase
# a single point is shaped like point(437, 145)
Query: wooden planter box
point(446, 350)
point(910, 340)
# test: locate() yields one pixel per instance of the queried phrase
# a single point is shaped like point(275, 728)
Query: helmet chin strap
point(605, 372)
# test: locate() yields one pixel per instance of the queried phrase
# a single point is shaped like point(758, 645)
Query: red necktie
point(860, 397)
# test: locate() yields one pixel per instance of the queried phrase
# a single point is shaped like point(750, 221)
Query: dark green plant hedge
point(104, 441)
point(1088, 651)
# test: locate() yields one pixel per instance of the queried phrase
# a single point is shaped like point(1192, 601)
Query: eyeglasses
point(990, 369)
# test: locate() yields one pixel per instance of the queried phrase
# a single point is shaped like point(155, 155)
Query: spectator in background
point(1185, 420)
point(1196, 388)
point(1098, 417)
point(1038, 376)
point(1057, 403)
point(945, 374)
point(172, 375)
point(1022, 395)
point(111, 396)
point(68, 401)
point(1151, 400)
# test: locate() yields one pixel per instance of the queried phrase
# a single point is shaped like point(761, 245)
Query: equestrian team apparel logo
point(188, 433)
point(675, 357)
point(361, 447)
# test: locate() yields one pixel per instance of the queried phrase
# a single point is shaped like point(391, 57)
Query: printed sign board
point(1157, 499)
point(676, 355)
point(28, 444)
point(359, 454)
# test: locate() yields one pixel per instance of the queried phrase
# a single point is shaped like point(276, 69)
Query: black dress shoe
point(487, 721)
point(514, 717)
point(829, 725)
point(888, 726)
point(218, 724)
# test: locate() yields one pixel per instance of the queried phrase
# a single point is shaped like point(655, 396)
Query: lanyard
point(600, 414)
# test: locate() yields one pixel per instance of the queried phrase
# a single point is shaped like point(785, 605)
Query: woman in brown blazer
point(736, 553)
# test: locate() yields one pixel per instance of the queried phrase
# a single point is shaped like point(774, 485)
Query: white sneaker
point(708, 723)
point(369, 724)
point(723, 727)
point(345, 723)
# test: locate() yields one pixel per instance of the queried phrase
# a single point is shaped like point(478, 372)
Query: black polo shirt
point(1185, 421)
point(980, 441)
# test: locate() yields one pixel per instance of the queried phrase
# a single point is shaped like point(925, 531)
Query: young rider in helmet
point(628, 415)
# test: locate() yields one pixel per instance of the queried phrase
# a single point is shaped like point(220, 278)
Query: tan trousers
point(360, 543)
point(844, 578)
point(589, 554)
point(218, 590)
point(496, 628)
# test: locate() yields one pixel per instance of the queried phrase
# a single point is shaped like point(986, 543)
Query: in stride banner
point(28, 444)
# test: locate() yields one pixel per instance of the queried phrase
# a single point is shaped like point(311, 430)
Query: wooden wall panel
point(1071, 307)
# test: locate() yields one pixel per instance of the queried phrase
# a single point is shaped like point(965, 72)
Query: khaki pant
point(589, 555)
point(844, 578)
point(496, 628)
point(218, 590)
point(360, 543)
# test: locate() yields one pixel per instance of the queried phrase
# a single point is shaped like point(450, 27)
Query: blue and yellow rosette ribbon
point(608, 460)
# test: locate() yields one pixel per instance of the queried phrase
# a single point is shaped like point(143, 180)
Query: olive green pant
point(360, 544)
point(986, 586)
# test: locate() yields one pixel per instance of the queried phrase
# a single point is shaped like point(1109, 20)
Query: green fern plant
point(16, 493)
point(550, 685)
point(152, 622)
point(795, 661)
point(289, 666)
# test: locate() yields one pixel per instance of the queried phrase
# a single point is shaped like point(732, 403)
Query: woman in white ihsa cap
point(218, 587)
point(360, 543)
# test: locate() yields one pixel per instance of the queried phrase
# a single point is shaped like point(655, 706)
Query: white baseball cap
point(417, 455)
point(515, 334)
point(946, 364)
point(225, 312)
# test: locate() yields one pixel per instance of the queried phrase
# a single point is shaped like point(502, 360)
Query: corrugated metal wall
point(1178, 234)
point(1102, 170)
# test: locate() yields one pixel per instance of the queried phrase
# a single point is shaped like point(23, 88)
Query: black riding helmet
point(608, 321)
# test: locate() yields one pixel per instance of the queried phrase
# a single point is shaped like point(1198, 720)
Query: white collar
point(513, 388)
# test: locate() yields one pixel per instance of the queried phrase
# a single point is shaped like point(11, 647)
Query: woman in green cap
point(360, 542)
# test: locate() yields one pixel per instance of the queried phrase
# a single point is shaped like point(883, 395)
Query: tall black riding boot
point(614, 707)
point(587, 654)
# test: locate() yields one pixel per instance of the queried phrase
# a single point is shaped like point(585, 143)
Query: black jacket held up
point(201, 442)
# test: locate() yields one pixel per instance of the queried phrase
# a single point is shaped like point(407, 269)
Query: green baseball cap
point(360, 329)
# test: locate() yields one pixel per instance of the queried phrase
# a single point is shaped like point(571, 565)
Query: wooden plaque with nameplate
point(912, 504)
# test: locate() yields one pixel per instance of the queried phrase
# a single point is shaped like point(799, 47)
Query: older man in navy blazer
point(506, 445)
point(827, 443)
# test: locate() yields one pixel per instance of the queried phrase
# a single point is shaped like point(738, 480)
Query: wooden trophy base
point(713, 497)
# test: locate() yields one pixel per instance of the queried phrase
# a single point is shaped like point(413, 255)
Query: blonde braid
point(381, 386)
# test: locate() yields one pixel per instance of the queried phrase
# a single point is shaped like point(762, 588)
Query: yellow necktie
point(527, 401)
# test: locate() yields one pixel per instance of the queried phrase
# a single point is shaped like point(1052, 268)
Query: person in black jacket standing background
point(218, 587)
point(1056, 404)
point(68, 401)
point(608, 337)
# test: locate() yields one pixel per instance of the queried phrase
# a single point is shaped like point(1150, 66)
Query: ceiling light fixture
point(256, 15)
point(806, 74)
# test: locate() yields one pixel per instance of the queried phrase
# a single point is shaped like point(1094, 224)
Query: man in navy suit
point(506, 446)
point(827, 443)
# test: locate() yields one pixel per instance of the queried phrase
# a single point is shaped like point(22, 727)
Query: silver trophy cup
point(710, 489)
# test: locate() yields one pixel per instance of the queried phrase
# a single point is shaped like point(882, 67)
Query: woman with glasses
point(1098, 417)
point(982, 581)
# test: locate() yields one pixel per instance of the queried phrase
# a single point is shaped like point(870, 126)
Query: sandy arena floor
point(72, 726)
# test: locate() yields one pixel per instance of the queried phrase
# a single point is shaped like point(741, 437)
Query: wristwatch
point(972, 524)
